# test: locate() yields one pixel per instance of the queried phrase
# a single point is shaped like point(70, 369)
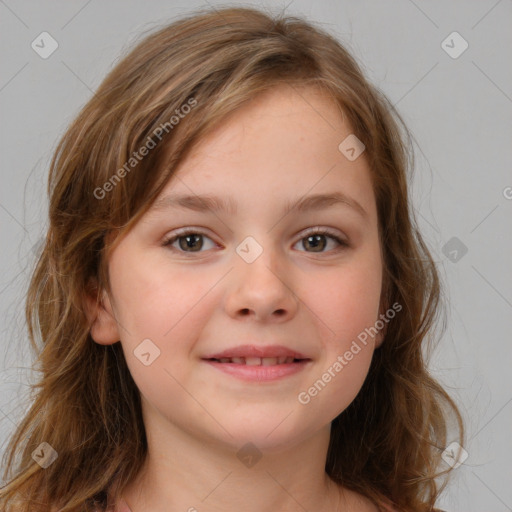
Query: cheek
point(342, 385)
point(345, 302)
point(339, 379)
point(166, 309)
point(346, 306)
point(169, 308)
point(153, 301)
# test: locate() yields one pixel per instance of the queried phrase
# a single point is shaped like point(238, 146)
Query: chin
point(268, 434)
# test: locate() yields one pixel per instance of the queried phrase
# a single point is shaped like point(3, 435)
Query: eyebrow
point(216, 204)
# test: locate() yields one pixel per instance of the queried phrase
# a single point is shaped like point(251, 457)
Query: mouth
point(257, 363)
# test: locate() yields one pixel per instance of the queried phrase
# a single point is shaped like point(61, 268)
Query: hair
point(387, 443)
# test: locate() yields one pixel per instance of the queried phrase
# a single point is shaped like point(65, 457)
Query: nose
point(261, 290)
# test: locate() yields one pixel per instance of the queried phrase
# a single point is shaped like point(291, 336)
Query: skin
point(279, 147)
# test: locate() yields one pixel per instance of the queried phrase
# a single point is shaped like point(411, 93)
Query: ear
point(379, 338)
point(100, 316)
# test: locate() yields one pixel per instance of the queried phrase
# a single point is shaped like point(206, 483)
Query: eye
point(188, 241)
point(193, 241)
point(317, 240)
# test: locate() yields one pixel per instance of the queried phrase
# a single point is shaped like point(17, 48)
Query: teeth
point(257, 361)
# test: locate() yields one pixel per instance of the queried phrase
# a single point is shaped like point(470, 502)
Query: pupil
point(313, 241)
point(189, 242)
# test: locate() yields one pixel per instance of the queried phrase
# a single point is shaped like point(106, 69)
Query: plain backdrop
point(457, 102)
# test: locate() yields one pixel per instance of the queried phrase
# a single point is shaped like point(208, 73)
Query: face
point(224, 297)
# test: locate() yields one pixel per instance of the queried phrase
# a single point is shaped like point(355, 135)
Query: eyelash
point(317, 231)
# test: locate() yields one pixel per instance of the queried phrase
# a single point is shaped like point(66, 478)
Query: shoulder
point(355, 501)
point(122, 506)
point(390, 508)
point(386, 508)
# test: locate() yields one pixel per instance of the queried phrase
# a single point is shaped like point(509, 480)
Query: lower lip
point(259, 373)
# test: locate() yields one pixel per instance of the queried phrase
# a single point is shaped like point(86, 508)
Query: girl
point(233, 298)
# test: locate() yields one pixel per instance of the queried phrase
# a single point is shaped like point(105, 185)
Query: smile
point(257, 361)
point(256, 369)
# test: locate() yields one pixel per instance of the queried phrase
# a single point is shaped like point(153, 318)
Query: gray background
point(459, 110)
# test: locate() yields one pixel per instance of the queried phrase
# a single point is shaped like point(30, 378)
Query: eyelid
point(323, 231)
point(340, 239)
point(168, 240)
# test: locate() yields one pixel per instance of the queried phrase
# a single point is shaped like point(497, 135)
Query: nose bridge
point(260, 275)
point(260, 256)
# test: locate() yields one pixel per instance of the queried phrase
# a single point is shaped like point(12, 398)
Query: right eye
point(188, 241)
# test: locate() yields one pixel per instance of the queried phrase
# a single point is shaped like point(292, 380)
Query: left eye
point(316, 240)
point(192, 241)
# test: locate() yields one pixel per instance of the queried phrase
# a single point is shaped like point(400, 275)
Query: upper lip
point(257, 351)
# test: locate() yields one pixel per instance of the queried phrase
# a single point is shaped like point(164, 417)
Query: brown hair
point(387, 444)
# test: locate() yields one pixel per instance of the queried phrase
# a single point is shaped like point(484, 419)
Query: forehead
point(283, 144)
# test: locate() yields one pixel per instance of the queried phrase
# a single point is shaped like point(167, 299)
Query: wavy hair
point(387, 444)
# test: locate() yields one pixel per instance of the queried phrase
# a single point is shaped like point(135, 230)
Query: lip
point(259, 373)
point(257, 351)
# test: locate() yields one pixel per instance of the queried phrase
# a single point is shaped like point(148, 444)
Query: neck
point(190, 474)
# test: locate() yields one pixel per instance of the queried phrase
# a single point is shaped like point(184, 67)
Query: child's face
point(204, 294)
